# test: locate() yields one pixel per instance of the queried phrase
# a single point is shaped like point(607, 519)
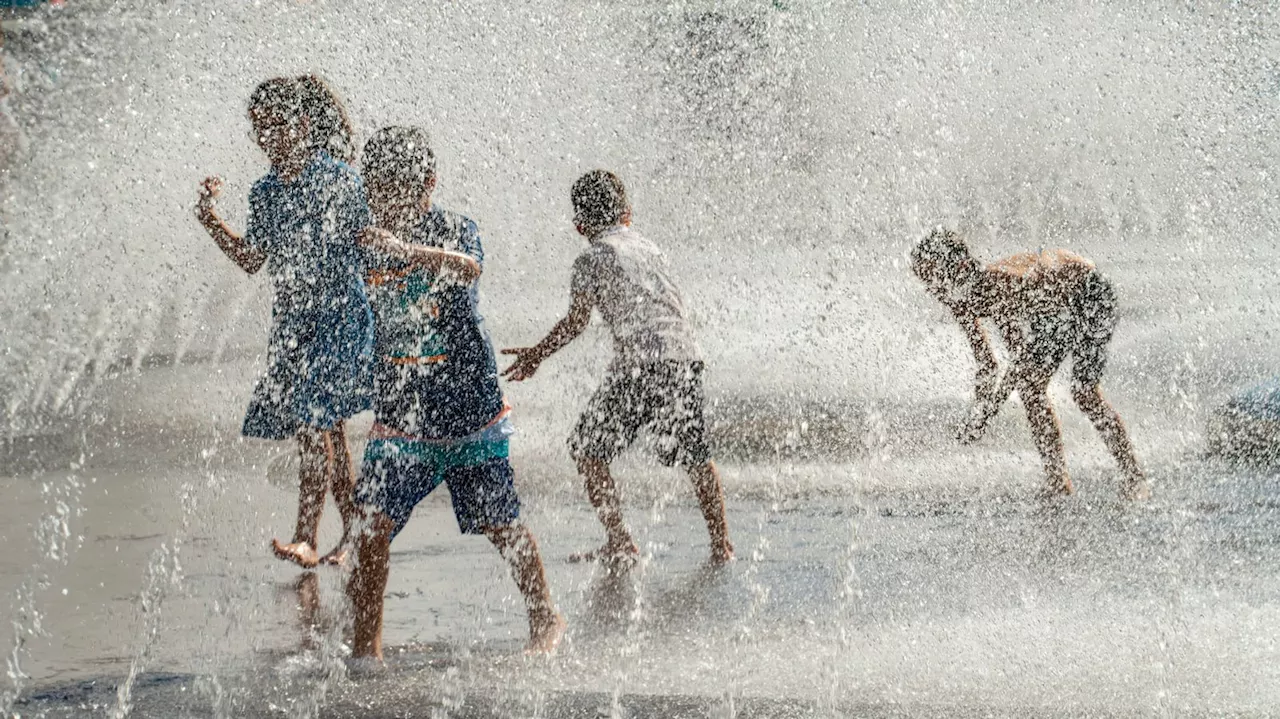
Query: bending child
point(1047, 306)
point(655, 379)
point(440, 416)
point(303, 219)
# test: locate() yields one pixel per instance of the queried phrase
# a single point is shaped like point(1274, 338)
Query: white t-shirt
point(625, 276)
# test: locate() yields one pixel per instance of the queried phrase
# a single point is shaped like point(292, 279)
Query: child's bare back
point(1031, 283)
point(1049, 306)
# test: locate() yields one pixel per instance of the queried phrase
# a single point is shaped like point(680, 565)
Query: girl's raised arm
point(248, 258)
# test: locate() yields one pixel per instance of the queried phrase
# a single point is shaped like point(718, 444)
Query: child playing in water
point(304, 216)
point(440, 414)
point(1047, 306)
point(655, 379)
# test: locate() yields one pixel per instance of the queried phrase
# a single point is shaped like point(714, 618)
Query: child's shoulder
point(265, 184)
point(595, 252)
point(456, 219)
point(337, 172)
point(453, 224)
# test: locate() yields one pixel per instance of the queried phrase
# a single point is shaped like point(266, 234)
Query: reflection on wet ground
point(969, 600)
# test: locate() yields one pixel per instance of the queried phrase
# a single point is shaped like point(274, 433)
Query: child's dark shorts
point(397, 474)
point(1082, 331)
point(666, 397)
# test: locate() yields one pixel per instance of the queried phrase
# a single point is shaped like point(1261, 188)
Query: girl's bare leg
point(342, 483)
point(516, 544)
point(314, 457)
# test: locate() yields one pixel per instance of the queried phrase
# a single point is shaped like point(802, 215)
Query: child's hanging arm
point(248, 258)
point(992, 390)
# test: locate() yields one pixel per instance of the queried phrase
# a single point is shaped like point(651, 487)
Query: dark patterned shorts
point(665, 397)
point(1081, 331)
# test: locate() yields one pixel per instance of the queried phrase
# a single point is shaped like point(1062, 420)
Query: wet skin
point(1010, 292)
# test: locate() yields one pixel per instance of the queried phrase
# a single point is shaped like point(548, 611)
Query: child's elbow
point(470, 270)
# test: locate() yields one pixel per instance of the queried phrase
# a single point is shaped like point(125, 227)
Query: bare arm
point(983, 356)
point(432, 259)
point(566, 330)
point(247, 258)
point(991, 392)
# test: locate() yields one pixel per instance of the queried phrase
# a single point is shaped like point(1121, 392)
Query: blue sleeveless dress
point(321, 347)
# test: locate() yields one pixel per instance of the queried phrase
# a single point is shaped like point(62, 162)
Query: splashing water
point(785, 156)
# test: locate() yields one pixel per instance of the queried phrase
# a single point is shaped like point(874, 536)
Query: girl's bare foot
point(337, 557)
point(300, 553)
point(545, 636)
point(613, 554)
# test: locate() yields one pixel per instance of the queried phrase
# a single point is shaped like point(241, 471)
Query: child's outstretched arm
point(249, 259)
point(432, 259)
point(566, 330)
point(992, 390)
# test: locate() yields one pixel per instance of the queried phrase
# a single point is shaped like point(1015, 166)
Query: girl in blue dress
point(303, 219)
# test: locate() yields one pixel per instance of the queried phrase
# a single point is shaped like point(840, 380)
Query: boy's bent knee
point(376, 527)
point(511, 536)
point(1087, 397)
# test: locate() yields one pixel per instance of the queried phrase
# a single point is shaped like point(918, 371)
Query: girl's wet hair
point(943, 248)
point(599, 199)
point(399, 155)
point(310, 96)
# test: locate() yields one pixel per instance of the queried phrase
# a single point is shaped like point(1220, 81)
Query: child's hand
point(526, 364)
point(380, 240)
point(210, 189)
point(972, 430)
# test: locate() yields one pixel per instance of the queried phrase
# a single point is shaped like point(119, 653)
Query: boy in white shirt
point(655, 379)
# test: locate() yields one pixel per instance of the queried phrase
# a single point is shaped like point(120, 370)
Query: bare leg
point(1047, 434)
point(603, 493)
point(368, 585)
point(342, 483)
point(311, 491)
point(706, 482)
point(308, 589)
point(1107, 421)
point(516, 544)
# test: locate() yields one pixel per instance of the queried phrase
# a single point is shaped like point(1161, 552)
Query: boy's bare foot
point(1135, 490)
point(1056, 489)
point(336, 558)
point(612, 554)
point(367, 666)
point(722, 555)
point(300, 553)
point(545, 636)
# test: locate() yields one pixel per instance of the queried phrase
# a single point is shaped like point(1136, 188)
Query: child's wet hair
point(311, 97)
point(942, 248)
point(399, 155)
point(599, 200)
